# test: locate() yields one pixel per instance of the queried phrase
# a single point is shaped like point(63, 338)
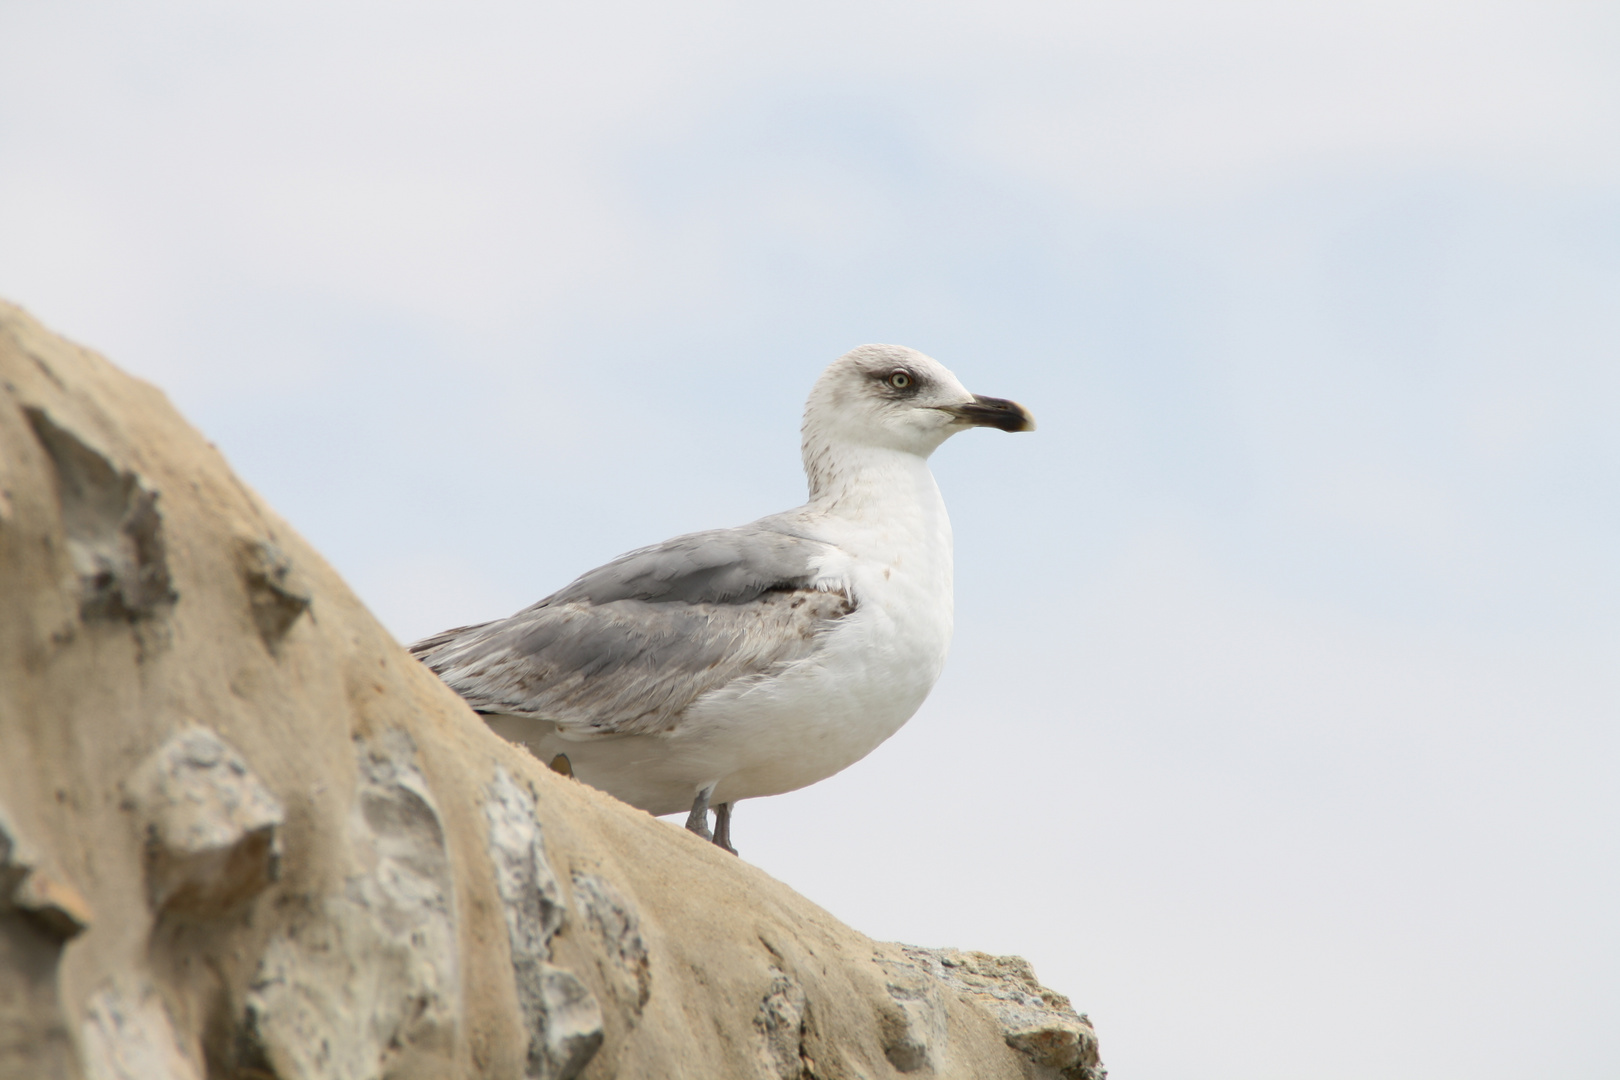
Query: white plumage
point(753, 661)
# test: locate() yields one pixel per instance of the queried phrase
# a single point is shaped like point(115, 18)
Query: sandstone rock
point(914, 1028)
point(113, 531)
point(34, 1036)
point(562, 1017)
point(367, 984)
point(282, 850)
point(209, 824)
point(621, 953)
point(1034, 1020)
point(129, 1036)
point(53, 904)
point(30, 889)
point(276, 591)
point(780, 1022)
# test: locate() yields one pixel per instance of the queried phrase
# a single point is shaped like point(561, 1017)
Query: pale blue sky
point(1283, 722)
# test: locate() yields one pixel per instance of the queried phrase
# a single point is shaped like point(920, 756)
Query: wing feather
point(627, 648)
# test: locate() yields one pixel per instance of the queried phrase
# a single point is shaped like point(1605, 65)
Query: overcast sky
point(1282, 727)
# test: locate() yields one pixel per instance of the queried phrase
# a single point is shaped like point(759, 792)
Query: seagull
point(739, 663)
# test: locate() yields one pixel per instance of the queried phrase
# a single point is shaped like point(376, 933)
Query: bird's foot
point(698, 820)
point(722, 827)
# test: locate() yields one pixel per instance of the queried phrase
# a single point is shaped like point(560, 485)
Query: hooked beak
point(992, 412)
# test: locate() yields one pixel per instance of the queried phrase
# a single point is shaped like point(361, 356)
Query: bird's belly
point(826, 713)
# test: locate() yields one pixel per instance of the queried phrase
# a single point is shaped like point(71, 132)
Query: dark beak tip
point(1025, 418)
point(998, 413)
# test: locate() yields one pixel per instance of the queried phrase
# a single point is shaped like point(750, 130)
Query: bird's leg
point(722, 826)
point(698, 820)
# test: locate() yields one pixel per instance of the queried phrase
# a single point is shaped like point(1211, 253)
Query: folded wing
point(628, 647)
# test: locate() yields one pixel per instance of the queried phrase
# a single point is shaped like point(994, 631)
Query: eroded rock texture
point(562, 1017)
point(243, 836)
point(129, 1035)
point(621, 954)
point(210, 826)
point(38, 916)
point(1036, 1021)
point(780, 1023)
point(276, 590)
point(110, 522)
point(915, 1025)
point(366, 984)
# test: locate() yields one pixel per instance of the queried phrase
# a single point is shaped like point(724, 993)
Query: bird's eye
point(900, 380)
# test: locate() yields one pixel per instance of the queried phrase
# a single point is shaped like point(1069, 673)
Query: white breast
point(877, 664)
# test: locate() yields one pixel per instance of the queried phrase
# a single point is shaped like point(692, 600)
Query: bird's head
point(894, 398)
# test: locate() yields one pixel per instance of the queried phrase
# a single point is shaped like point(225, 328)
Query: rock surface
point(244, 836)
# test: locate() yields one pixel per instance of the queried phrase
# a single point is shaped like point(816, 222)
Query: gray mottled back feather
point(626, 648)
point(720, 566)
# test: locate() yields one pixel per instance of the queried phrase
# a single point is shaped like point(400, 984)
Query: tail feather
point(428, 645)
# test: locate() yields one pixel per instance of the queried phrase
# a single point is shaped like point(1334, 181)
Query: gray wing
point(627, 647)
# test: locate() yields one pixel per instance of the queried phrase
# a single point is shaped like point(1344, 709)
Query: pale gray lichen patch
point(563, 1018)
